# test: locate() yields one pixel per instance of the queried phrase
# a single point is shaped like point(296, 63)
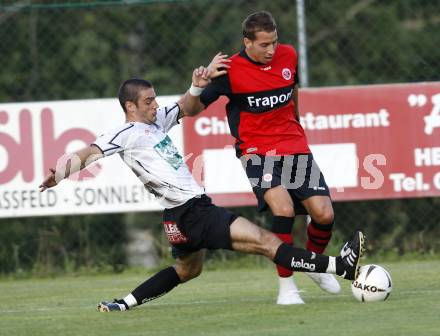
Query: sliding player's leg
point(188, 266)
point(250, 238)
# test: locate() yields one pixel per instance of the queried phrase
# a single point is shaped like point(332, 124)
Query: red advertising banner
point(371, 142)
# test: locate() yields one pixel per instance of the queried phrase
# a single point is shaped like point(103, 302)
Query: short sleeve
point(296, 78)
point(219, 86)
point(117, 140)
point(167, 117)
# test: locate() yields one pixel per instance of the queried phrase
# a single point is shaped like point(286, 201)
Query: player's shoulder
point(167, 111)
point(233, 57)
point(286, 48)
point(238, 57)
point(168, 108)
point(121, 130)
point(222, 80)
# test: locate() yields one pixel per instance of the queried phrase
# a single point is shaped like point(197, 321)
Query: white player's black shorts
point(196, 225)
point(299, 174)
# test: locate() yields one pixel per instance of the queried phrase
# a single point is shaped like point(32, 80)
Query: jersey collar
point(244, 55)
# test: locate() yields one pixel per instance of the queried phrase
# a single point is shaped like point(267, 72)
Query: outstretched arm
point(69, 164)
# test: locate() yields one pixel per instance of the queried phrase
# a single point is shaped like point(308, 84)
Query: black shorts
point(299, 174)
point(196, 225)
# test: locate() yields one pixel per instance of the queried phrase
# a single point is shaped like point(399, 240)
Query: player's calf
point(346, 265)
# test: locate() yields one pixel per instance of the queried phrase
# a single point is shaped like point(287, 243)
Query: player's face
point(263, 47)
point(146, 106)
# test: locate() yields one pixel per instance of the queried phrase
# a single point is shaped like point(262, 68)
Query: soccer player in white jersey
point(191, 222)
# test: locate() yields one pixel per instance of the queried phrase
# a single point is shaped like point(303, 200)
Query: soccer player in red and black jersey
point(262, 86)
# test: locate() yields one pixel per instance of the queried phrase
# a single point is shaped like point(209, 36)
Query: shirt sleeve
point(116, 141)
point(219, 86)
point(167, 117)
point(296, 79)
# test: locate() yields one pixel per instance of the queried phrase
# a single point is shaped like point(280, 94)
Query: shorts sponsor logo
point(287, 74)
point(304, 265)
point(174, 235)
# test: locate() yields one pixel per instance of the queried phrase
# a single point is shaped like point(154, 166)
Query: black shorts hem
point(201, 225)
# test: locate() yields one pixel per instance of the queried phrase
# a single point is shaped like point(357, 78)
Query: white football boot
point(288, 292)
point(327, 282)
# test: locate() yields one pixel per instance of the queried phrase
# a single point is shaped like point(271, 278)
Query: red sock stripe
point(288, 239)
point(323, 242)
point(283, 272)
point(310, 246)
point(320, 234)
point(285, 237)
point(317, 239)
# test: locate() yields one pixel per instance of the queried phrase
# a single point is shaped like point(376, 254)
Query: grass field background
point(222, 302)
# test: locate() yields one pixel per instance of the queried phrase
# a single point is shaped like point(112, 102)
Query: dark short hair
point(257, 22)
point(129, 90)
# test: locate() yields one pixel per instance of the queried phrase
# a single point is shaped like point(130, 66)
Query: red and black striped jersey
point(260, 110)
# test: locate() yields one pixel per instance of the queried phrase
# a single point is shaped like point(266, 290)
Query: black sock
point(282, 228)
point(340, 268)
point(298, 259)
point(156, 286)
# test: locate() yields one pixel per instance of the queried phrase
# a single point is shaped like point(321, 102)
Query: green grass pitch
point(223, 302)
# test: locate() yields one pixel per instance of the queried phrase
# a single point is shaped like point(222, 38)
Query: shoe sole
point(290, 303)
point(362, 240)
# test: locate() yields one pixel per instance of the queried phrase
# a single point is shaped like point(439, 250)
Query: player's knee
point(283, 210)
point(188, 272)
point(324, 216)
point(195, 271)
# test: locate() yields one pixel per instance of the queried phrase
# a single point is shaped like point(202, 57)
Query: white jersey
point(152, 156)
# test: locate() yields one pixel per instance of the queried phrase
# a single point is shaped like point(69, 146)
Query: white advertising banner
point(34, 135)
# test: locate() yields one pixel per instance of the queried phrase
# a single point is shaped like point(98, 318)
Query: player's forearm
point(192, 105)
point(70, 164)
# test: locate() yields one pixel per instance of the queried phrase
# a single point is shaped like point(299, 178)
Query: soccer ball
point(373, 284)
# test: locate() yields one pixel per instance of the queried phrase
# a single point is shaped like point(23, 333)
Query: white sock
point(287, 284)
point(130, 300)
point(331, 268)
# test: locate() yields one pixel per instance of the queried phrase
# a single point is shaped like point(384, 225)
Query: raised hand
point(201, 77)
point(219, 65)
